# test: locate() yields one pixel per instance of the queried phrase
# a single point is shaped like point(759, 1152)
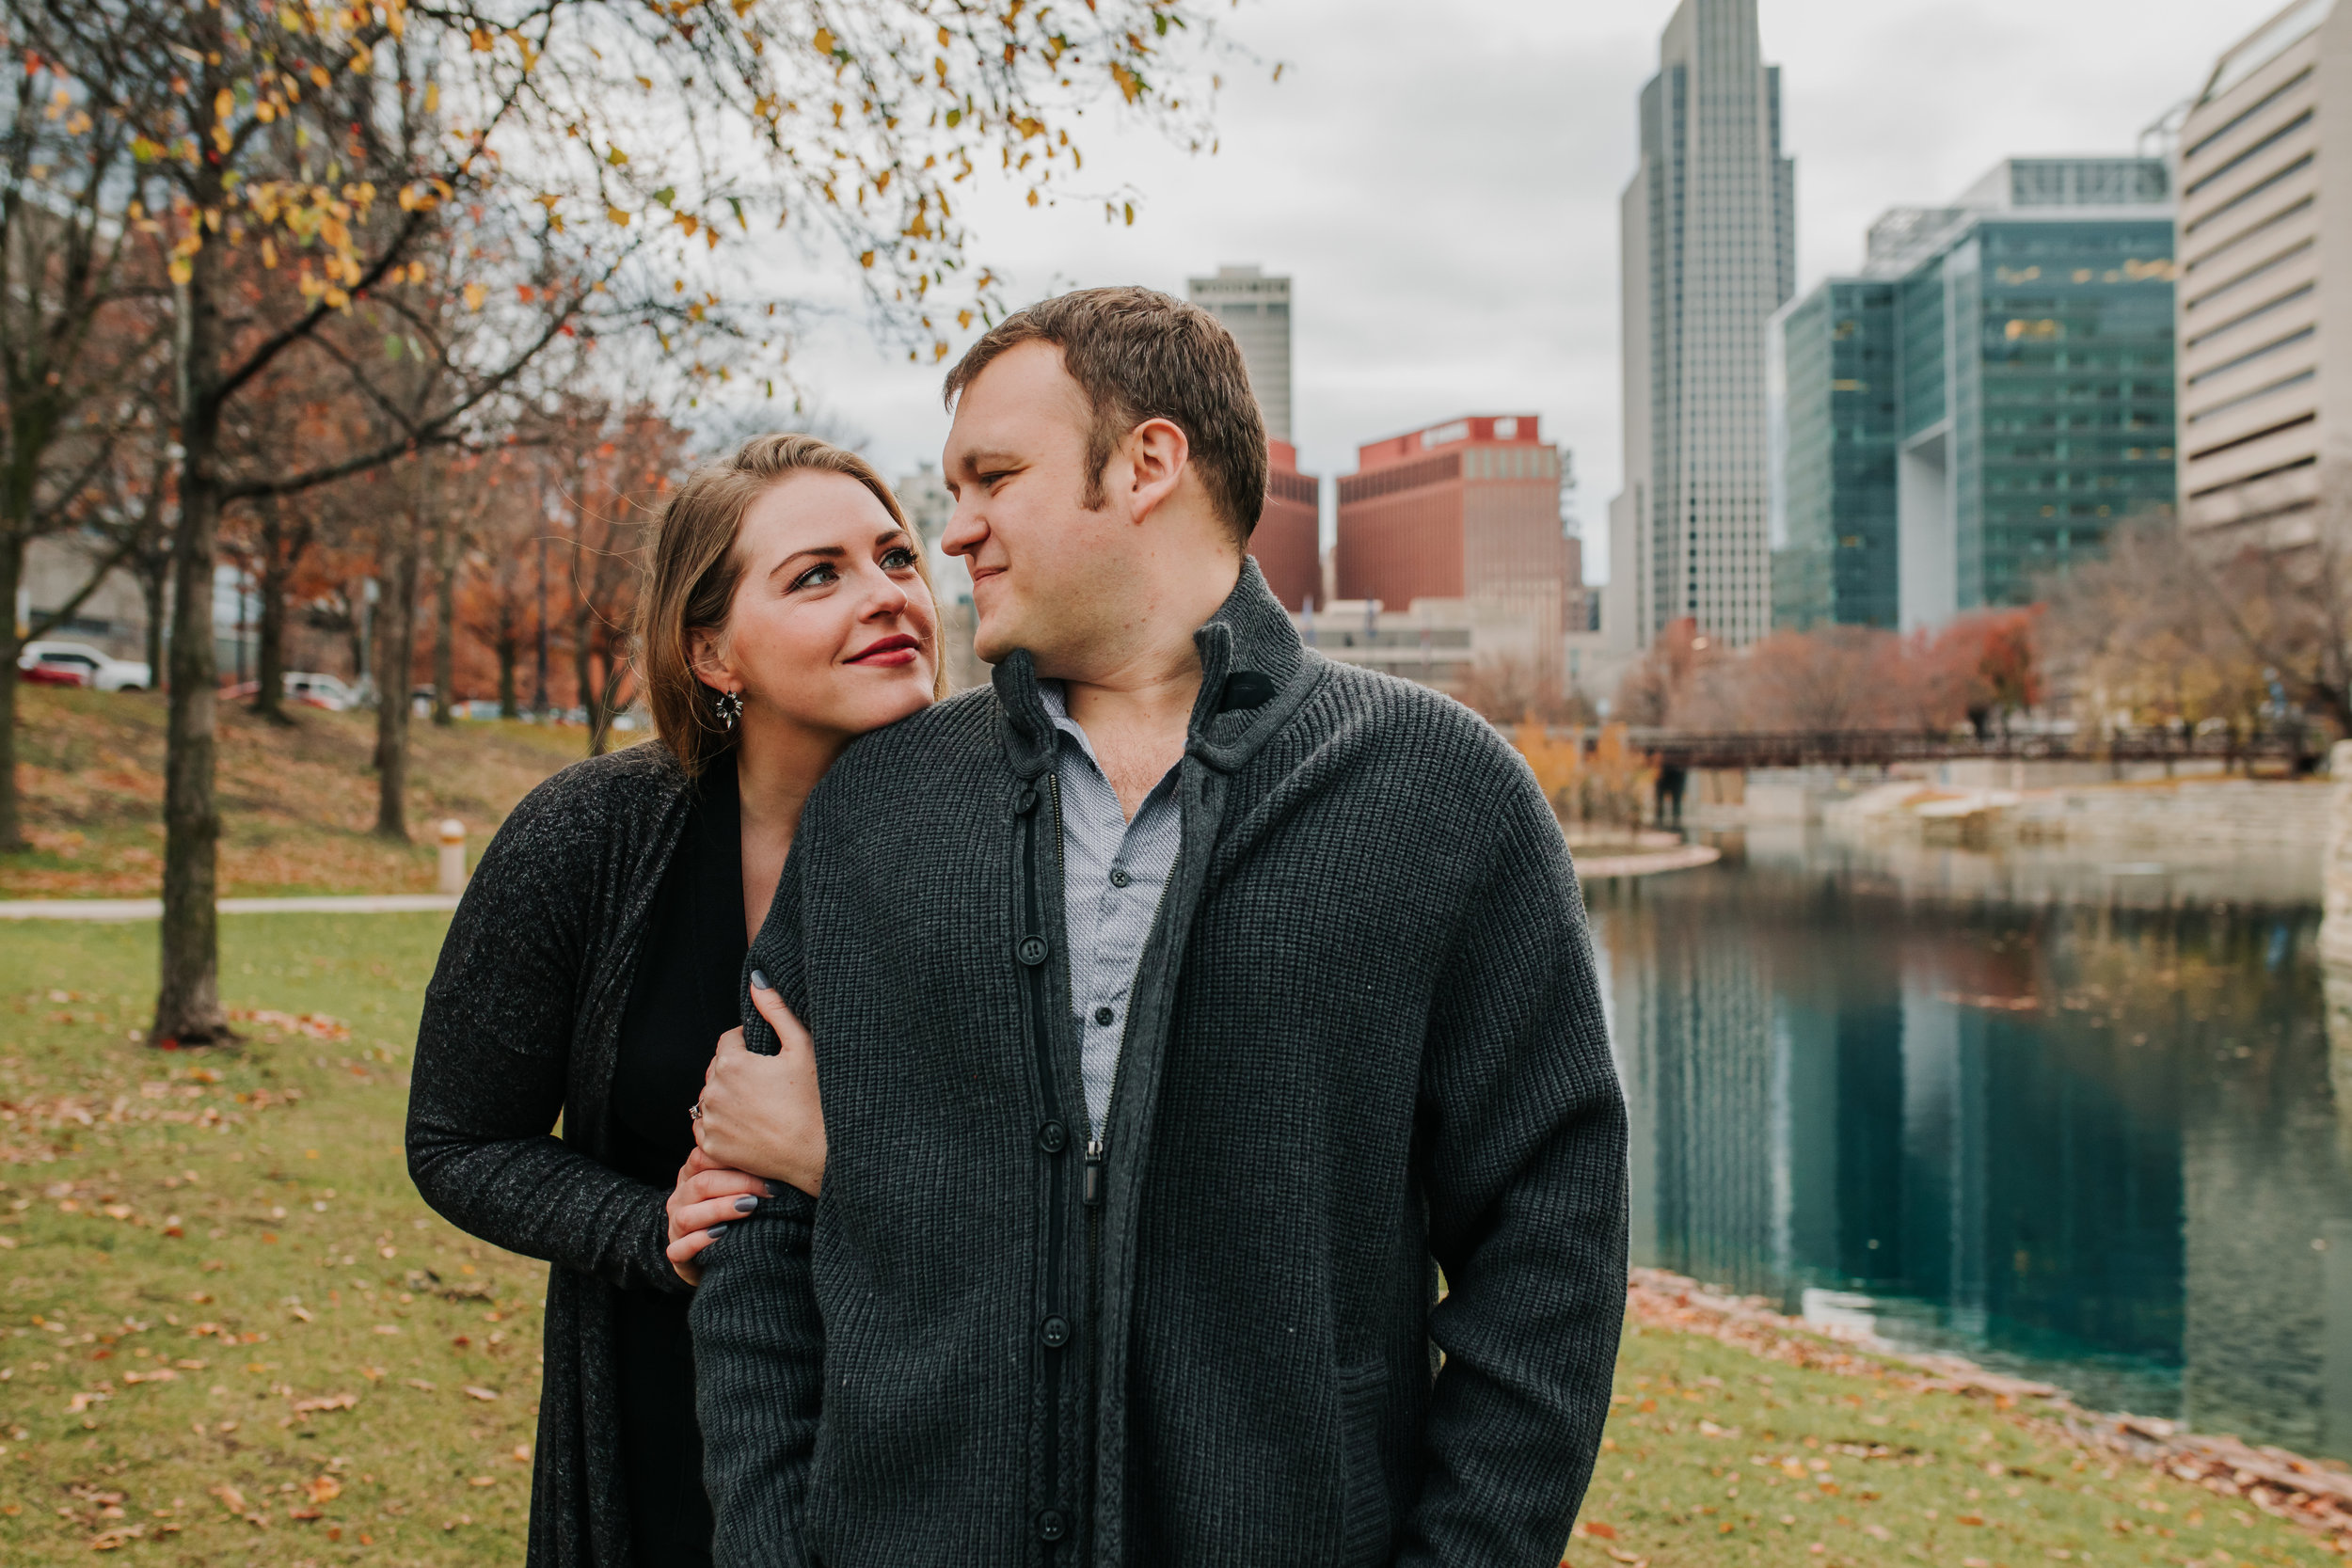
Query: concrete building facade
point(2265, 202)
point(1469, 509)
point(1256, 309)
point(1287, 542)
point(1709, 227)
point(1977, 410)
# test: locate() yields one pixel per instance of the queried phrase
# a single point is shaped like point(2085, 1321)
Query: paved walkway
point(1689, 857)
point(152, 909)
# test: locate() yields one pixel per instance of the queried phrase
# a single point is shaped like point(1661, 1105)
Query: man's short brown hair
point(1138, 354)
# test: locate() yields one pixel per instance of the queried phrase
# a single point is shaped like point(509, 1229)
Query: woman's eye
point(897, 559)
point(816, 576)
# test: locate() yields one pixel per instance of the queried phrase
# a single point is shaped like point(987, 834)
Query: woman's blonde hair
point(690, 583)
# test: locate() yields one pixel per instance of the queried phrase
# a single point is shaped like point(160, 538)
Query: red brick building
point(1287, 542)
point(1469, 509)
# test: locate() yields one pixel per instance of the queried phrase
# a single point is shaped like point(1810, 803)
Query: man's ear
point(1158, 454)
point(705, 651)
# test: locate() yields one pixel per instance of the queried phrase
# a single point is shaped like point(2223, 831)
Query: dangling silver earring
point(730, 708)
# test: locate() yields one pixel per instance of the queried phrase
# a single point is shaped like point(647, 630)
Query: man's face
point(1048, 574)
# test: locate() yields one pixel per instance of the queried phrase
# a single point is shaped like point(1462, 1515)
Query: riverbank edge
point(2313, 1494)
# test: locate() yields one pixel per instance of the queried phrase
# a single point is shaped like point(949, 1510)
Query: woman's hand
point(762, 1114)
point(706, 1198)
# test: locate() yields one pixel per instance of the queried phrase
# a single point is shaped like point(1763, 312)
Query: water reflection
point(2089, 1132)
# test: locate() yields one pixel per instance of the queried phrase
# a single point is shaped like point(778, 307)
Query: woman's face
point(831, 629)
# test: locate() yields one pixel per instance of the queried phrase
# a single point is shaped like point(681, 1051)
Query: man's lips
point(898, 648)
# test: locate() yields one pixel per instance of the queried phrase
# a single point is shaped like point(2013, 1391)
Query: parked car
point(85, 664)
point(313, 689)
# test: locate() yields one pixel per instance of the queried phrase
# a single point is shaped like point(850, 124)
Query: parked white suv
point(92, 668)
point(317, 691)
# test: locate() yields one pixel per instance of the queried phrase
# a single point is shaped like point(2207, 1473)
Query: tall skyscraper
point(2264, 378)
point(1975, 412)
point(1709, 253)
point(1256, 309)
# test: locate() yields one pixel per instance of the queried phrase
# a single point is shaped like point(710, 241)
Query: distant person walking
point(596, 960)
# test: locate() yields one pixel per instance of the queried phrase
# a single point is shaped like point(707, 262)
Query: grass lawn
point(232, 1333)
point(297, 801)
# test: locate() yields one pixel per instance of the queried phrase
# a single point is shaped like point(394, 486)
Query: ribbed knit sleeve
point(494, 1055)
point(758, 1382)
point(1526, 1141)
point(759, 1341)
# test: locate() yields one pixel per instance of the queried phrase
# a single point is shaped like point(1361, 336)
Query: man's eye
point(816, 576)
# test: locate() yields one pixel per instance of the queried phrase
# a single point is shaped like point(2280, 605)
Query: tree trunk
point(584, 654)
point(154, 575)
point(11, 573)
point(280, 553)
point(187, 1006)
point(451, 554)
point(510, 653)
point(396, 657)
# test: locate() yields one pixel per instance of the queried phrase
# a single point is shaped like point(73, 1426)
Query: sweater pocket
point(1366, 1527)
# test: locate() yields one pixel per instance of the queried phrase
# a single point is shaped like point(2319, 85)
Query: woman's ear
point(705, 650)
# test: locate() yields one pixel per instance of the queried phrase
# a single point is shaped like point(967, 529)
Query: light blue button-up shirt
point(1113, 874)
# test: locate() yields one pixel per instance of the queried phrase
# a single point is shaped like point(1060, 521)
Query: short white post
point(452, 878)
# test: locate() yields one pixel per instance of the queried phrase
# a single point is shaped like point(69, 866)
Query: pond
point(2068, 1114)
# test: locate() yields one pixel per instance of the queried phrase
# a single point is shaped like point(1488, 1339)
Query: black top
point(521, 1026)
point(681, 1003)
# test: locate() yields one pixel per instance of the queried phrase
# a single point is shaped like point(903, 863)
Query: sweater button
point(1120, 876)
point(1031, 951)
point(1054, 1332)
point(1051, 1525)
point(1052, 1137)
point(1103, 1016)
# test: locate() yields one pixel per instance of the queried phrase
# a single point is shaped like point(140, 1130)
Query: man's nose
point(964, 531)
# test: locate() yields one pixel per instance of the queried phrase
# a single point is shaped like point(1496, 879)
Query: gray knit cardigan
point(522, 1024)
point(1365, 1041)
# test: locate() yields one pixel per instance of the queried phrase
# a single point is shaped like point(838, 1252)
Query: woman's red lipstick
point(896, 649)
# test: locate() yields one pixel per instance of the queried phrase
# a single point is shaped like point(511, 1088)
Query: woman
point(596, 956)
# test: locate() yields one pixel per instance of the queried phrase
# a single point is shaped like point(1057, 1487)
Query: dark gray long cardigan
point(1365, 1035)
point(521, 1022)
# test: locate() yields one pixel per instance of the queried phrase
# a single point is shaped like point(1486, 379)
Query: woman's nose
point(889, 599)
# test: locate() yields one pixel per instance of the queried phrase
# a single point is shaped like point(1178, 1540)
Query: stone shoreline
point(2315, 1494)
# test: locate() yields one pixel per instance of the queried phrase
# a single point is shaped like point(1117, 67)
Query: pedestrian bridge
point(1692, 749)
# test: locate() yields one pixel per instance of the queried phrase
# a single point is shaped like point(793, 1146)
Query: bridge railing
point(1874, 747)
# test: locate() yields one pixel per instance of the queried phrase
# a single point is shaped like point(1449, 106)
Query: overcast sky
point(1442, 186)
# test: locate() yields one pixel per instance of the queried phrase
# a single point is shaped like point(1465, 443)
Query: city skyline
point(1458, 248)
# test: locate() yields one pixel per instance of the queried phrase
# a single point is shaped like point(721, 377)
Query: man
point(1182, 1005)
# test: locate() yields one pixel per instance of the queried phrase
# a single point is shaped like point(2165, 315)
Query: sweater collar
point(1253, 672)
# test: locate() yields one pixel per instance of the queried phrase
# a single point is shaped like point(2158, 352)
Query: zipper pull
point(1094, 1191)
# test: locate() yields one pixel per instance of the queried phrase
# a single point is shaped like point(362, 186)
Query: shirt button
point(1103, 1016)
point(1031, 950)
point(1051, 1525)
point(1052, 1137)
point(1054, 1332)
point(1120, 876)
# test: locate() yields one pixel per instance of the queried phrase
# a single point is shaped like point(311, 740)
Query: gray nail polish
point(745, 1204)
point(716, 1230)
point(775, 1189)
point(759, 980)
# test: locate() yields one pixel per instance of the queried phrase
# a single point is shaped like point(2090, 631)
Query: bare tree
point(564, 167)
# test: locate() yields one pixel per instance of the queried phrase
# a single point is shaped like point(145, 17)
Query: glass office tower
point(1834, 405)
point(2028, 338)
